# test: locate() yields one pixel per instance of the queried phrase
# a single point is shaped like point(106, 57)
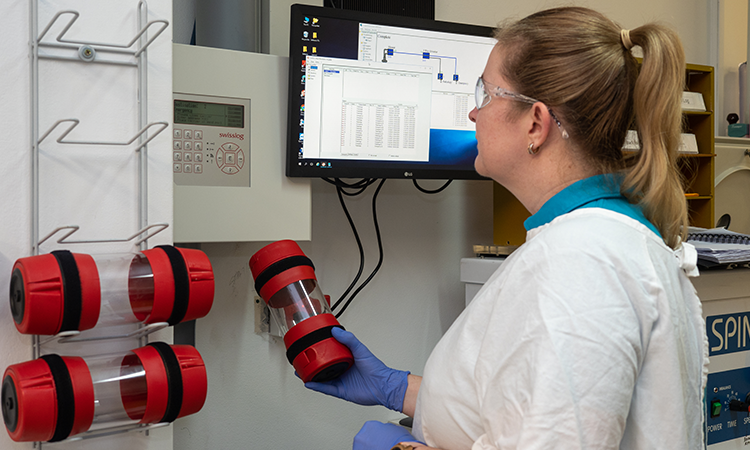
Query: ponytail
point(654, 180)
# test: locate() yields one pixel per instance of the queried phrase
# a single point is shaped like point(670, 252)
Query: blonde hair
point(573, 60)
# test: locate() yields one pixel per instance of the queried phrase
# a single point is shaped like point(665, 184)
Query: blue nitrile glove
point(381, 436)
point(368, 381)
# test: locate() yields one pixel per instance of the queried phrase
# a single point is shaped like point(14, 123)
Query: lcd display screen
point(376, 96)
point(209, 114)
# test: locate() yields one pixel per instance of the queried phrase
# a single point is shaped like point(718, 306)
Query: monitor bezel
point(361, 168)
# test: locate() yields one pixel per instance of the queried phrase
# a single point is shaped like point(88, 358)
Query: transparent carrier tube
point(54, 398)
point(64, 291)
point(296, 302)
point(285, 279)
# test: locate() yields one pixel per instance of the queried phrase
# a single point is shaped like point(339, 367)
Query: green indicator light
point(715, 409)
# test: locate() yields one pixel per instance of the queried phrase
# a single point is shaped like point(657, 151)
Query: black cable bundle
point(358, 188)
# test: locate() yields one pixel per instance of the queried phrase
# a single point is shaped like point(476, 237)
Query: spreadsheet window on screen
point(379, 95)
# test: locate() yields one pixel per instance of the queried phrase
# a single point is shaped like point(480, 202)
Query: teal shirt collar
point(599, 191)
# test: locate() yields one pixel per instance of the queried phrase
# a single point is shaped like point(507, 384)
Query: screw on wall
point(86, 53)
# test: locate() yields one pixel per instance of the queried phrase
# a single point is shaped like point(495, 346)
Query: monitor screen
point(377, 96)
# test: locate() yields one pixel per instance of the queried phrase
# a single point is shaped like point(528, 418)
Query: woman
point(590, 335)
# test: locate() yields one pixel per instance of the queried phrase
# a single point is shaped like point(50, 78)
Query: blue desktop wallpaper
point(453, 147)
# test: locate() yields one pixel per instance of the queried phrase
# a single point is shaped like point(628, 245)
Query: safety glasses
point(484, 92)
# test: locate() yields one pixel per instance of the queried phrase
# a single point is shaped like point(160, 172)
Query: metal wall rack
point(130, 54)
point(93, 52)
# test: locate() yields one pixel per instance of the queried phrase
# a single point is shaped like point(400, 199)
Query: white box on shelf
point(693, 101)
point(631, 141)
point(689, 144)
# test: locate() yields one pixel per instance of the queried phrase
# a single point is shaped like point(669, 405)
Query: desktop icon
point(315, 20)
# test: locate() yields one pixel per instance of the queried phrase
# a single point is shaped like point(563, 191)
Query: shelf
point(697, 155)
point(698, 169)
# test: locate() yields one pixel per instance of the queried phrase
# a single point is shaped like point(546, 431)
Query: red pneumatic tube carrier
point(54, 397)
point(285, 279)
point(64, 291)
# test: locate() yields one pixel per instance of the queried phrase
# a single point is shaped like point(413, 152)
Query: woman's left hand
point(380, 436)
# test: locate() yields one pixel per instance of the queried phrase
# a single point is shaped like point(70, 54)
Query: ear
point(541, 123)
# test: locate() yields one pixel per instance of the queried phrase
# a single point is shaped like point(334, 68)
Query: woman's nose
point(473, 115)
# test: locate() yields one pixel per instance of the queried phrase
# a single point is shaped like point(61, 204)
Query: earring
point(531, 149)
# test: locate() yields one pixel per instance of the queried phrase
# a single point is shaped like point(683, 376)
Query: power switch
point(716, 407)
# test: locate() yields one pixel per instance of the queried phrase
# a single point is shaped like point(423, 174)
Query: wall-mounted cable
point(359, 188)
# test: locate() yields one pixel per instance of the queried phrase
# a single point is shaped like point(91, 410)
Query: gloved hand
point(368, 381)
point(380, 436)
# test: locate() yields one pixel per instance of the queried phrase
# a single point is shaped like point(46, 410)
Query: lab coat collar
point(599, 191)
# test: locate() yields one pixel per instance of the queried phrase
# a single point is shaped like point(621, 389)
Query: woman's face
point(500, 142)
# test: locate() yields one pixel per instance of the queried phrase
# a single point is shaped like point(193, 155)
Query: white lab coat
point(589, 336)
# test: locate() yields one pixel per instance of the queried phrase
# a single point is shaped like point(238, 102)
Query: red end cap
point(323, 360)
point(284, 279)
point(272, 253)
point(157, 386)
point(194, 383)
point(30, 413)
point(201, 276)
point(308, 326)
point(37, 295)
point(201, 290)
point(91, 291)
point(83, 390)
point(163, 285)
point(194, 379)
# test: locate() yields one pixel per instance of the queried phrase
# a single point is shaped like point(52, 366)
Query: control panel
point(233, 187)
point(211, 141)
point(728, 403)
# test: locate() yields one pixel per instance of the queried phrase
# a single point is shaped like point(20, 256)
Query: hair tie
point(625, 38)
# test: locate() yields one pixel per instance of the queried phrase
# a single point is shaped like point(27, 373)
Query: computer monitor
point(379, 96)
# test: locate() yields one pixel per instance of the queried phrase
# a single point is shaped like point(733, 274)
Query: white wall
point(93, 187)
point(733, 51)
point(255, 401)
point(688, 17)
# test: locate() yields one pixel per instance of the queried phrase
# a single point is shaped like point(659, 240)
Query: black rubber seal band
point(72, 295)
point(309, 340)
point(66, 399)
point(278, 267)
point(174, 381)
point(181, 284)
